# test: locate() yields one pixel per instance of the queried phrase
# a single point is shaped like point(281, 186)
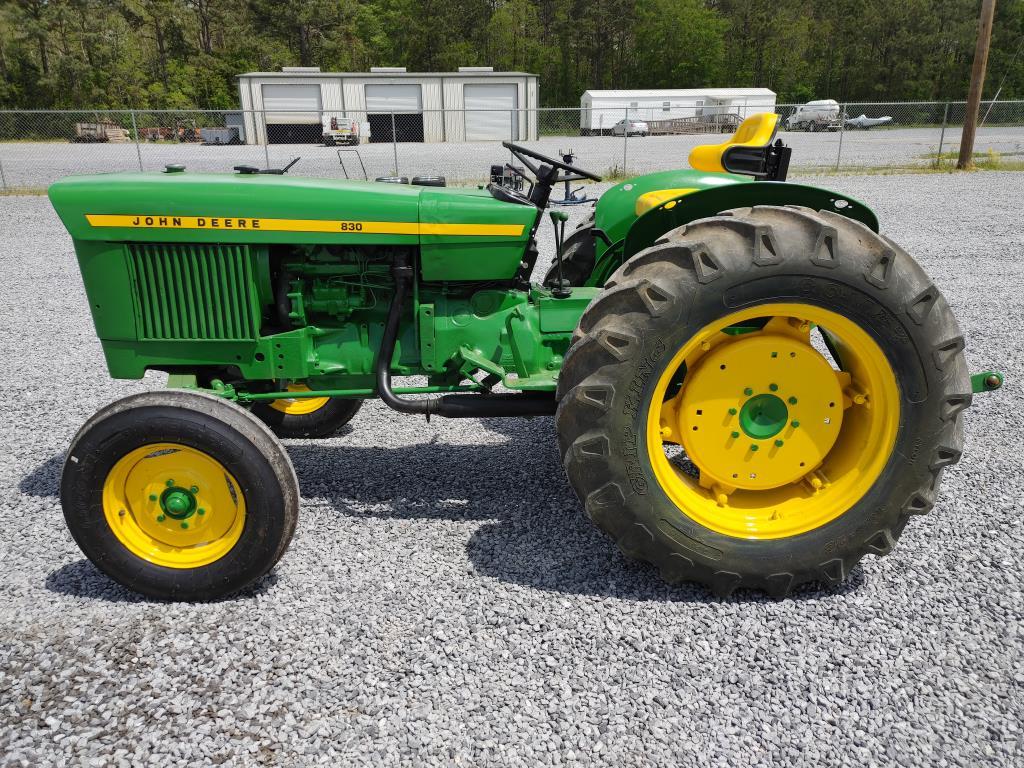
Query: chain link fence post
point(842, 131)
point(942, 136)
point(394, 141)
point(135, 133)
point(625, 141)
point(3, 176)
point(266, 140)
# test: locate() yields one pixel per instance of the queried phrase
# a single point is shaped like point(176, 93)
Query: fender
point(702, 203)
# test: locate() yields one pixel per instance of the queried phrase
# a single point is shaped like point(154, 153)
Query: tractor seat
point(756, 131)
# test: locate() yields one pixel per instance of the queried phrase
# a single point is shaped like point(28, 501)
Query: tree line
point(161, 54)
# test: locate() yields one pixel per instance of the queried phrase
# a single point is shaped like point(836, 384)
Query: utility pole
point(988, 10)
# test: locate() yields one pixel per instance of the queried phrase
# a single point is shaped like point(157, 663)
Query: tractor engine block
point(324, 285)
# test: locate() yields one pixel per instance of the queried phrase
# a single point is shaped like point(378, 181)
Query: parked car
point(635, 128)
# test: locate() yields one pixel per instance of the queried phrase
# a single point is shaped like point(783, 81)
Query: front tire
point(793, 460)
point(179, 495)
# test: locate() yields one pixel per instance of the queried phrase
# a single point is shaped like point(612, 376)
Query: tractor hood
point(199, 207)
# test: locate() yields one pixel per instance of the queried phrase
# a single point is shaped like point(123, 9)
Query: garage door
point(403, 100)
point(490, 114)
point(292, 104)
point(394, 98)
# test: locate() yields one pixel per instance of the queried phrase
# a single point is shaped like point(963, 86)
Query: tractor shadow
point(533, 530)
point(44, 480)
point(82, 579)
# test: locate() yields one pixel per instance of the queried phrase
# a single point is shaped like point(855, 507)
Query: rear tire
point(306, 418)
point(698, 275)
point(179, 495)
point(579, 256)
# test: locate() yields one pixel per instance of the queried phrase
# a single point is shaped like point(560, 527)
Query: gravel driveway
point(444, 601)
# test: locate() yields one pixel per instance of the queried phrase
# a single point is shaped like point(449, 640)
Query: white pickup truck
point(821, 115)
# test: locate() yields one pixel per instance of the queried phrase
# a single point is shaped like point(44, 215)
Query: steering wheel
point(572, 173)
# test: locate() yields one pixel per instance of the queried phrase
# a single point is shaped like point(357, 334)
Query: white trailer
point(600, 110)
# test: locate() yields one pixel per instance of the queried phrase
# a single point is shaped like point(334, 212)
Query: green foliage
point(665, 29)
point(186, 53)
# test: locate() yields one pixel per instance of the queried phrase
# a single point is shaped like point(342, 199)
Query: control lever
point(570, 197)
point(247, 170)
point(561, 288)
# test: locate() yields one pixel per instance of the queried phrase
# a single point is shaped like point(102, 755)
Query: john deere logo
point(201, 222)
point(157, 221)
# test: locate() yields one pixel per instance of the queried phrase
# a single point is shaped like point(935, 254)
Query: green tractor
point(752, 387)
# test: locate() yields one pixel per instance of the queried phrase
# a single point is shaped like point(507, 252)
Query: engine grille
point(185, 291)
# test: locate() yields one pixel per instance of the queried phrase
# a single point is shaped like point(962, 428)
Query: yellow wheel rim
point(779, 441)
point(299, 406)
point(173, 505)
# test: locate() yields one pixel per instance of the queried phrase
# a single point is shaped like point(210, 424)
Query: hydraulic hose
point(450, 406)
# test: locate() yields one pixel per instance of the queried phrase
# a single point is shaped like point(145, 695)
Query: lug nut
point(160, 518)
point(170, 483)
point(778, 443)
point(732, 411)
point(748, 391)
point(184, 525)
point(200, 511)
point(152, 497)
point(753, 446)
point(735, 435)
point(773, 387)
point(792, 401)
point(794, 424)
point(194, 489)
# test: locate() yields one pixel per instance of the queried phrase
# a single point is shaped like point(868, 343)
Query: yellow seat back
point(756, 131)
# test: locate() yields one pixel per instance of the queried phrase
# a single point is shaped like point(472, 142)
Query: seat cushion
point(756, 131)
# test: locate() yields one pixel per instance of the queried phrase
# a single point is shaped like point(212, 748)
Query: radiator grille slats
point(187, 291)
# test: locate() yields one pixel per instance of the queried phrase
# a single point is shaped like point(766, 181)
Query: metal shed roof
point(717, 93)
point(412, 75)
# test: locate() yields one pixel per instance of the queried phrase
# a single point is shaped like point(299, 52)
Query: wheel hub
point(763, 416)
point(179, 503)
point(759, 412)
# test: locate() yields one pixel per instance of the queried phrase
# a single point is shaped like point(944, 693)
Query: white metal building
point(600, 110)
point(473, 104)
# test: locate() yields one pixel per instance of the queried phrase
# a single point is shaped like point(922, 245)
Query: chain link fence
point(39, 147)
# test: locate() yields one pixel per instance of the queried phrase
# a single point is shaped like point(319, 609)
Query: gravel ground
point(39, 164)
point(444, 601)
